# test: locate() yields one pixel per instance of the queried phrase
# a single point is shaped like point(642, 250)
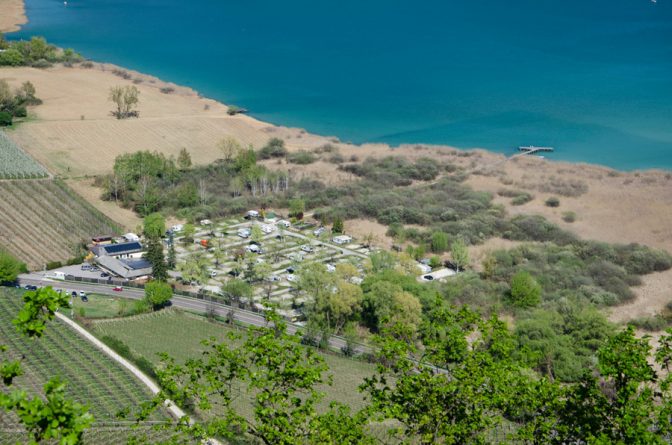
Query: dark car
point(291, 269)
point(74, 294)
point(85, 298)
point(104, 274)
point(30, 287)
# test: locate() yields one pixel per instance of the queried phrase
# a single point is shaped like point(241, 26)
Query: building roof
point(128, 269)
point(119, 249)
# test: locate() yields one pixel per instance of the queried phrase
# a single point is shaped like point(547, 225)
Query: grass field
point(92, 377)
point(15, 163)
point(43, 220)
point(180, 334)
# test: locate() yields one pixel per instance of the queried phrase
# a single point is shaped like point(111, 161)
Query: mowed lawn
point(180, 334)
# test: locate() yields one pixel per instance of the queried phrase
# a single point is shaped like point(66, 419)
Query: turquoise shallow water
point(591, 77)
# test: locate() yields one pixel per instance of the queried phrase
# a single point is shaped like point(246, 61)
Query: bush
point(42, 63)
point(20, 111)
point(54, 265)
point(167, 90)
point(301, 157)
point(275, 148)
point(569, 217)
point(521, 199)
point(525, 291)
point(651, 324)
point(552, 202)
point(6, 119)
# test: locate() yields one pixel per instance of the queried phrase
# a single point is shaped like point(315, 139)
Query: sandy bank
point(12, 15)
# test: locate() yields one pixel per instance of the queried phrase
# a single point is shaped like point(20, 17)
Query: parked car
point(331, 268)
point(319, 231)
point(73, 294)
point(428, 278)
point(104, 274)
point(85, 298)
point(82, 294)
point(306, 248)
point(30, 287)
point(213, 273)
point(291, 277)
point(291, 269)
point(274, 278)
point(117, 288)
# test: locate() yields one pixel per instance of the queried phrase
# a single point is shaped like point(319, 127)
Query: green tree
point(155, 256)
point(525, 291)
point(297, 207)
point(256, 234)
point(184, 160)
point(439, 242)
point(158, 293)
point(195, 268)
point(230, 148)
point(154, 225)
point(10, 268)
point(238, 289)
point(172, 257)
point(337, 227)
point(125, 98)
point(459, 254)
point(188, 232)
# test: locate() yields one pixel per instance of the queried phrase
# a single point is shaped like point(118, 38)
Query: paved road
point(190, 304)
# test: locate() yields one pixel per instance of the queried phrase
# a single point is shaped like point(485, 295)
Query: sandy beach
point(13, 15)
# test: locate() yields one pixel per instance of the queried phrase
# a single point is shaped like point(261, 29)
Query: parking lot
point(234, 245)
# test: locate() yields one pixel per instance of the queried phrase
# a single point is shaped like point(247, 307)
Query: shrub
point(20, 111)
point(336, 158)
point(525, 290)
point(553, 202)
point(6, 119)
point(521, 199)
point(42, 63)
point(87, 64)
point(232, 110)
point(54, 265)
point(275, 148)
point(569, 217)
point(301, 157)
point(166, 90)
point(651, 324)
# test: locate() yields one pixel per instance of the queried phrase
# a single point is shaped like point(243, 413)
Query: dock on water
point(529, 149)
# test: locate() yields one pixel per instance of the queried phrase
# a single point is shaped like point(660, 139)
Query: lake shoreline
point(13, 15)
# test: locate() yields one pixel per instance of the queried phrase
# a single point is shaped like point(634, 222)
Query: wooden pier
point(529, 149)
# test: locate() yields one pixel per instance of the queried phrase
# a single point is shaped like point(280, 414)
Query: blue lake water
point(591, 77)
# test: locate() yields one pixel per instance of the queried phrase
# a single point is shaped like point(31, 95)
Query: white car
point(284, 223)
point(319, 231)
point(177, 228)
point(291, 278)
point(244, 233)
point(213, 273)
point(331, 268)
point(306, 248)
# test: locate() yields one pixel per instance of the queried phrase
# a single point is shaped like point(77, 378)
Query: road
point(190, 304)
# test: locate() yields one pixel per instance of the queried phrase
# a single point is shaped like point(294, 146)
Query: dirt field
point(12, 15)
